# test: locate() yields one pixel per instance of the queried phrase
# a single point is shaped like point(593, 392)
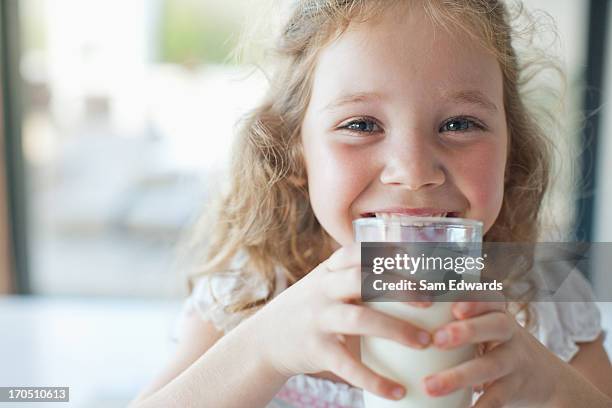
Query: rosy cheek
point(353, 166)
point(337, 175)
point(480, 177)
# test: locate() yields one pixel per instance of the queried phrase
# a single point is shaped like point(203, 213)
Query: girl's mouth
point(396, 214)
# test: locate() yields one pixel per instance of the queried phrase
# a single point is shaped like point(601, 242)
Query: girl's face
point(404, 117)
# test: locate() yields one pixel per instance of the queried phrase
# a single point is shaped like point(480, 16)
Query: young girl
point(377, 106)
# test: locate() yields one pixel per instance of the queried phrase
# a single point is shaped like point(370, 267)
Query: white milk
point(409, 366)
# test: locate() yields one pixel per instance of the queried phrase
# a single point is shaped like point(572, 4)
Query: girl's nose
point(414, 166)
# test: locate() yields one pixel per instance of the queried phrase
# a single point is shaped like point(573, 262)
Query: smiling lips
point(413, 212)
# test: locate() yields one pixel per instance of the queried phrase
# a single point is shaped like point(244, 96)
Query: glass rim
point(445, 221)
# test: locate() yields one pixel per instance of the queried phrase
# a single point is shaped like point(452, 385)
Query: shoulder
point(571, 318)
point(213, 293)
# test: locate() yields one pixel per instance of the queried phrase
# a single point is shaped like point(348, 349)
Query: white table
point(104, 349)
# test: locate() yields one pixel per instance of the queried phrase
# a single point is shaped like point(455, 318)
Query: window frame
point(15, 186)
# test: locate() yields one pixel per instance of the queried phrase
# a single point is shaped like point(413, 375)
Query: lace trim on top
point(308, 391)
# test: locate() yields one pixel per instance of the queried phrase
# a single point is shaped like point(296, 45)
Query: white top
point(560, 325)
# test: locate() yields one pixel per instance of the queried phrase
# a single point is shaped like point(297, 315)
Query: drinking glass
point(403, 364)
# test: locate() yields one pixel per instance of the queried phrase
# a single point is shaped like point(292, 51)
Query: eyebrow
point(472, 97)
point(357, 97)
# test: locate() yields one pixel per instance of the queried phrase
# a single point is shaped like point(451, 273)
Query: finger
point(499, 393)
point(364, 321)
point(492, 366)
point(356, 373)
point(345, 257)
point(489, 327)
point(344, 284)
point(464, 310)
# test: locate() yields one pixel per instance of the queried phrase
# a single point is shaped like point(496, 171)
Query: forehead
point(402, 52)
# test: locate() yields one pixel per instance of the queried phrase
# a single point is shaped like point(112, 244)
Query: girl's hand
point(513, 368)
point(303, 329)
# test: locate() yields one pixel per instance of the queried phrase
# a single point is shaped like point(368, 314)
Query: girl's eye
point(460, 125)
point(362, 125)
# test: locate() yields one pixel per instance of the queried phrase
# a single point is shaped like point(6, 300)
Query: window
point(128, 121)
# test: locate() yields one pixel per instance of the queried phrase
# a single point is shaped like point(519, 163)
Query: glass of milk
point(396, 361)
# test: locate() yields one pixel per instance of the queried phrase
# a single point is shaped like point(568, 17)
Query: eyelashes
point(457, 124)
point(461, 124)
point(362, 125)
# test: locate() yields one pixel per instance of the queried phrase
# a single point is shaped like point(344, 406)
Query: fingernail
point(433, 385)
point(424, 338)
point(398, 392)
point(441, 338)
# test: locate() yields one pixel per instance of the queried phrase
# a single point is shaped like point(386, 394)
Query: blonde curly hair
point(266, 211)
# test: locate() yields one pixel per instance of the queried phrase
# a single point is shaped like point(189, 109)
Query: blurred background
point(116, 123)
